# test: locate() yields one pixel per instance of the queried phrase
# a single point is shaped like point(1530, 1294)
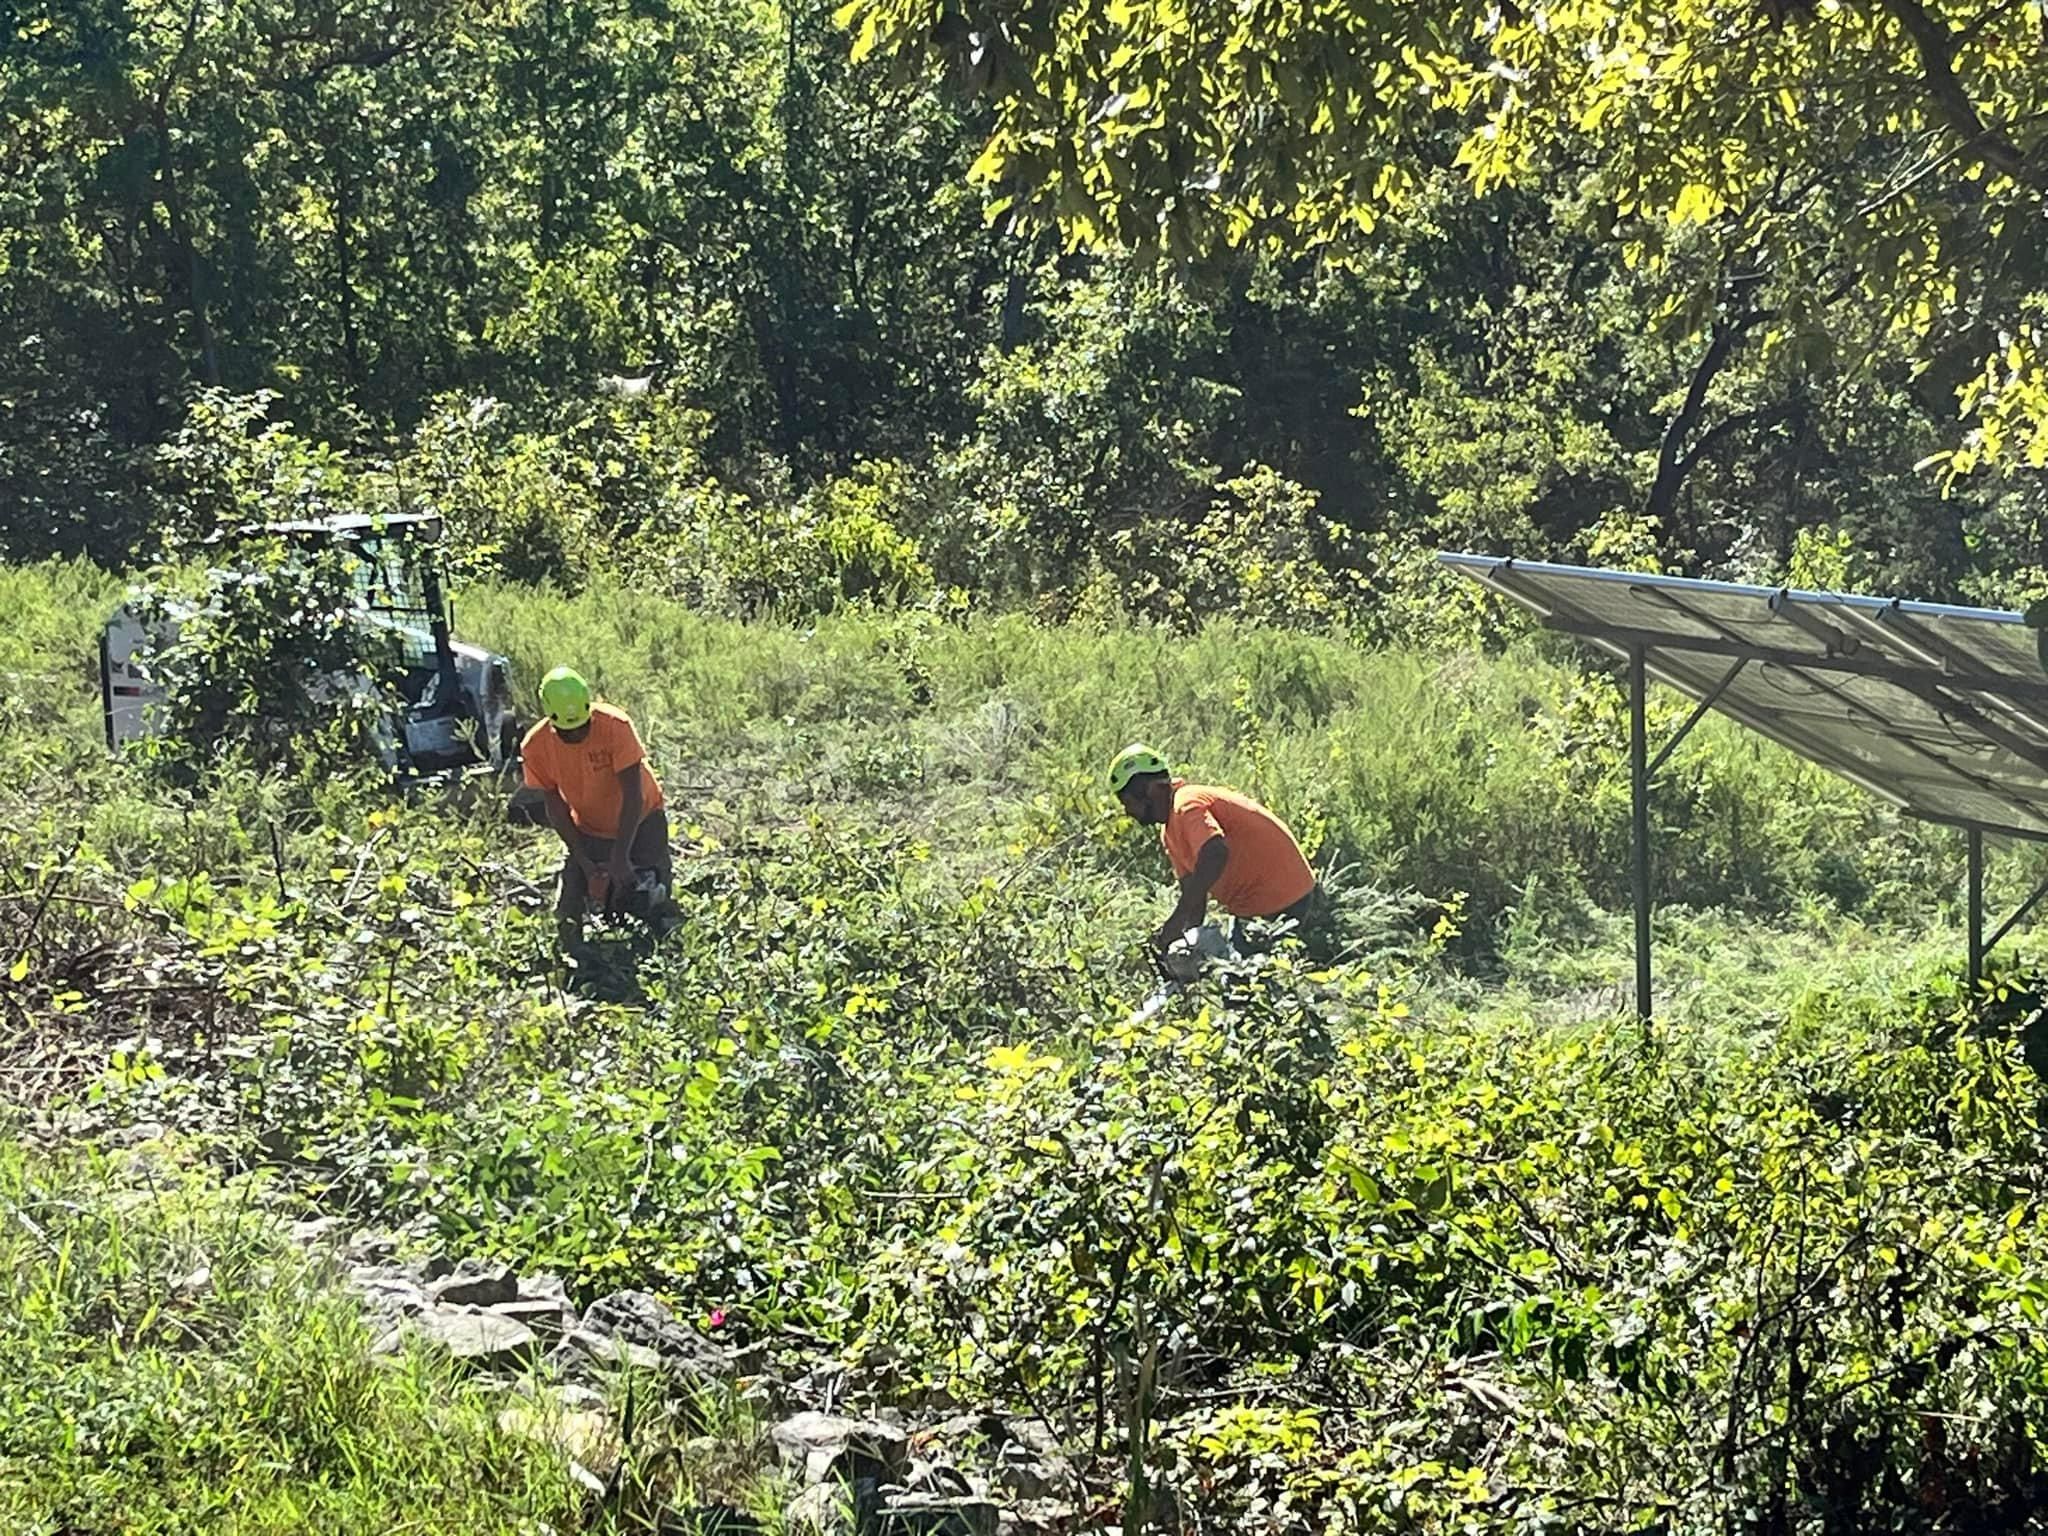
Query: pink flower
point(718, 1317)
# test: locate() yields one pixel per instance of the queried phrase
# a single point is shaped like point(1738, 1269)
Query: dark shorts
point(1309, 920)
point(650, 850)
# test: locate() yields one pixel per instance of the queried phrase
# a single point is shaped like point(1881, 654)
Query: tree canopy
point(710, 289)
point(1759, 155)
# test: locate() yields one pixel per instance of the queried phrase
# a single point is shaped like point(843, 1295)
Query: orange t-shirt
point(1266, 872)
point(586, 773)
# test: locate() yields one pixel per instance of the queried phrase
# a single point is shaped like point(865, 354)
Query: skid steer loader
point(455, 710)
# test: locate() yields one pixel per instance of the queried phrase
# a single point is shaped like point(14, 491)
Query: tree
point(1893, 151)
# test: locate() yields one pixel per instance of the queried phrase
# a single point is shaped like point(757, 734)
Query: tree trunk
point(194, 274)
point(344, 275)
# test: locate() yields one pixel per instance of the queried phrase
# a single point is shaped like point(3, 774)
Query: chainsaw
point(1183, 961)
point(646, 898)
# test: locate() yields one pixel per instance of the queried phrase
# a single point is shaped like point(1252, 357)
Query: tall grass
point(1500, 777)
point(174, 1367)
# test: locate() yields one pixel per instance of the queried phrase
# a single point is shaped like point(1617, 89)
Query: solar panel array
point(1941, 710)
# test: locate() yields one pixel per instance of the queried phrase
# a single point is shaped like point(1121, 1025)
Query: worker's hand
point(620, 872)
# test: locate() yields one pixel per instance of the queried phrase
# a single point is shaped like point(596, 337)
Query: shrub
point(230, 465)
point(270, 657)
point(838, 543)
point(1261, 555)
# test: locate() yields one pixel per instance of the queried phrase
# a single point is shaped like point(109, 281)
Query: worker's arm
point(565, 829)
point(632, 806)
point(1195, 886)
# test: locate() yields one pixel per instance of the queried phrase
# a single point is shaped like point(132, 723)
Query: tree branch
point(366, 56)
point(1672, 459)
point(1936, 46)
point(1760, 416)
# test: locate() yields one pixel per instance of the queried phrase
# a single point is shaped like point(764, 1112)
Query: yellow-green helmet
point(1134, 761)
point(565, 698)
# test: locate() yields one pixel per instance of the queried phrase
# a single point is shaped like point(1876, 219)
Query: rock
point(636, 1317)
point(473, 1283)
point(371, 1248)
point(1018, 1472)
point(938, 1479)
point(1032, 1434)
point(387, 1293)
point(828, 1447)
point(364, 1277)
point(475, 1339)
point(543, 1288)
point(1037, 1517)
point(825, 1383)
point(198, 1283)
point(932, 1514)
point(699, 1451)
point(576, 1398)
point(584, 1437)
point(1031, 1463)
point(824, 1510)
point(549, 1319)
point(583, 1355)
point(320, 1232)
point(646, 1320)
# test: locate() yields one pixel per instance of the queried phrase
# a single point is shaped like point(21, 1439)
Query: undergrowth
point(174, 1366)
point(1433, 1242)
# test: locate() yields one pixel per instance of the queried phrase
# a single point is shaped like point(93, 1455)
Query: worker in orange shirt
point(603, 802)
point(1222, 845)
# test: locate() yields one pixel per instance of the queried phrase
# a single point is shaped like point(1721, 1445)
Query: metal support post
point(1976, 906)
point(1998, 937)
point(1639, 794)
point(1712, 698)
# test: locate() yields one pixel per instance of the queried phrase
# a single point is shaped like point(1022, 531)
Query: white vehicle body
point(130, 698)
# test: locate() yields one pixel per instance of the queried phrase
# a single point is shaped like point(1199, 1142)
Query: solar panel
point(1941, 710)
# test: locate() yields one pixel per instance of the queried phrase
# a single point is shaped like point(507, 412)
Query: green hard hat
point(1134, 760)
point(565, 698)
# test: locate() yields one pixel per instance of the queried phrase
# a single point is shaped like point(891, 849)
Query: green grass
point(174, 1366)
point(1501, 777)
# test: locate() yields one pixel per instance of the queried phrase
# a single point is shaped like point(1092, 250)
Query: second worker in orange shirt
point(1222, 845)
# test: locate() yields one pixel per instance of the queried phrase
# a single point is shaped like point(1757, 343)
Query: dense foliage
point(1117, 384)
point(1761, 162)
point(679, 286)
